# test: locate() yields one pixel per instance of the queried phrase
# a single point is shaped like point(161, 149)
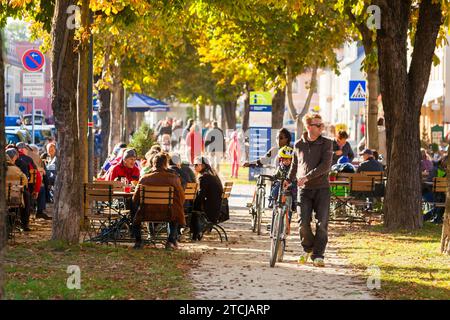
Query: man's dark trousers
point(317, 200)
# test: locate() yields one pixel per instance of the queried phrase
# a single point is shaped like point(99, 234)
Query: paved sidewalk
point(240, 268)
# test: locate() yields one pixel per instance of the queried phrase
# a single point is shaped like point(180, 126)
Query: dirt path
point(240, 268)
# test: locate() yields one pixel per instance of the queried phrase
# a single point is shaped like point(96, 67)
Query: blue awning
point(140, 103)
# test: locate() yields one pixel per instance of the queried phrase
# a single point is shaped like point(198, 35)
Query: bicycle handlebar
point(264, 176)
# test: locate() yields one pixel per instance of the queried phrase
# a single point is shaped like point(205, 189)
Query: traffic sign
point(260, 119)
point(31, 78)
point(33, 60)
point(33, 91)
point(357, 90)
point(22, 108)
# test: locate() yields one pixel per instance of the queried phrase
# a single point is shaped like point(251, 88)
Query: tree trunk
point(131, 124)
point(246, 115)
point(105, 115)
point(445, 239)
point(68, 188)
point(214, 115)
point(372, 79)
point(230, 114)
point(372, 117)
point(223, 117)
point(403, 95)
point(278, 104)
point(83, 80)
point(139, 119)
point(201, 114)
point(3, 235)
point(116, 113)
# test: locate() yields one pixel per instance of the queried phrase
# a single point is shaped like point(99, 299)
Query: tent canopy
point(140, 103)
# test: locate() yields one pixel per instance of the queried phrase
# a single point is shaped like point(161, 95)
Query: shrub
point(142, 140)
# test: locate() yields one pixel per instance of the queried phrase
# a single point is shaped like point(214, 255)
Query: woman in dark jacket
point(209, 195)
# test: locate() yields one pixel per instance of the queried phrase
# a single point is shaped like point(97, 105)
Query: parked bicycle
point(280, 227)
point(256, 207)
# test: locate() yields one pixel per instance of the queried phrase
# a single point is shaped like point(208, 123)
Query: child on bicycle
point(285, 156)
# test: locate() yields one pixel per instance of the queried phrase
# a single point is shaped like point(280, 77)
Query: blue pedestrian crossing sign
point(357, 90)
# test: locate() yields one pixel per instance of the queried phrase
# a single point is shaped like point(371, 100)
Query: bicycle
point(280, 227)
point(258, 204)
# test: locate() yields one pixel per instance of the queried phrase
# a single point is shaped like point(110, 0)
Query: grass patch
point(411, 264)
point(225, 173)
point(39, 271)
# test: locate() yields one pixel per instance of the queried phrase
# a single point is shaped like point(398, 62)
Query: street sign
point(22, 108)
point(260, 120)
point(357, 90)
point(437, 134)
point(33, 60)
point(33, 85)
point(31, 78)
point(33, 91)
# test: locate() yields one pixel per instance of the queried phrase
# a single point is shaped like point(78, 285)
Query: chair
point(98, 212)
point(377, 175)
point(224, 214)
point(227, 189)
point(157, 202)
point(362, 190)
point(32, 179)
point(14, 202)
point(340, 196)
point(439, 189)
point(190, 193)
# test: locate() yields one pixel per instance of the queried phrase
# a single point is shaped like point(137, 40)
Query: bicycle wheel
point(254, 212)
point(259, 209)
point(283, 233)
point(122, 230)
point(278, 225)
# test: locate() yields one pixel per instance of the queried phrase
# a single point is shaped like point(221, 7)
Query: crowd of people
point(162, 168)
point(192, 141)
point(203, 149)
point(36, 170)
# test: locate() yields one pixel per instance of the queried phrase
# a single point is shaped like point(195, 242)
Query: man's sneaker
point(318, 262)
point(304, 257)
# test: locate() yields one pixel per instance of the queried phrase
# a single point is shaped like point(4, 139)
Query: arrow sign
point(33, 60)
point(357, 90)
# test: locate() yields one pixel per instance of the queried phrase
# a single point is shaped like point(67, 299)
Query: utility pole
point(91, 153)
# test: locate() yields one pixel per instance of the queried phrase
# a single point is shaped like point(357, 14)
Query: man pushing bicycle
point(311, 165)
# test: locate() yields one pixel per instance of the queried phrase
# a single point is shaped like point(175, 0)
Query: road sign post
point(357, 93)
point(260, 119)
point(33, 81)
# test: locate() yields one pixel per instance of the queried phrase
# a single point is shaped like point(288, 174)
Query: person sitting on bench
point(159, 176)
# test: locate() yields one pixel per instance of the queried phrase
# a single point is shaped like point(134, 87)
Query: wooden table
point(123, 194)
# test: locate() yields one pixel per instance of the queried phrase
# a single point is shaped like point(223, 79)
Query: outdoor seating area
point(109, 214)
point(357, 197)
